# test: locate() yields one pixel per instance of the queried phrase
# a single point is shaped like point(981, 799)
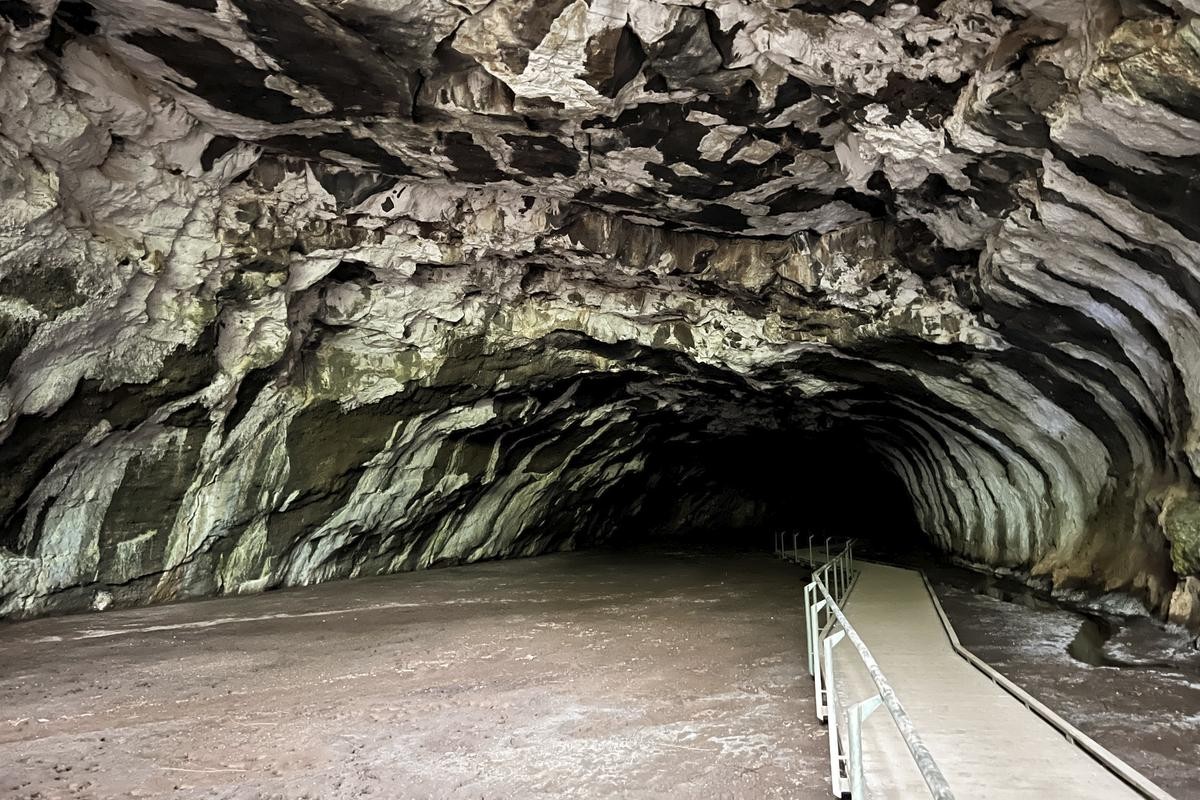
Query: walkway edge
point(1127, 774)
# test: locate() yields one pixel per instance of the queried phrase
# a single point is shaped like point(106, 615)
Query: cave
point(300, 292)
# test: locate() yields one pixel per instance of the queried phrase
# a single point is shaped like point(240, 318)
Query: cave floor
point(595, 674)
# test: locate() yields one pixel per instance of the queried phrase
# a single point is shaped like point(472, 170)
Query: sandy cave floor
point(574, 675)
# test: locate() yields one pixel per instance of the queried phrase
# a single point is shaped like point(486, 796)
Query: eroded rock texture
point(293, 290)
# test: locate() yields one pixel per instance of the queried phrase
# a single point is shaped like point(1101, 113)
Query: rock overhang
point(511, 249)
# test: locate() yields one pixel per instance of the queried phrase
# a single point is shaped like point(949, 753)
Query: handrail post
point(809, 593)
point(795, 547)
point(827, 538)
point(810, 553)
point(817, 641)
point(855, 716)
point(835, 758)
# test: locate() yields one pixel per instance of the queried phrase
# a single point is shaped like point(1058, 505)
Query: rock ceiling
point(301, 289)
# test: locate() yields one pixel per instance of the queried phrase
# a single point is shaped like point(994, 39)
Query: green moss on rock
point(1181, 523)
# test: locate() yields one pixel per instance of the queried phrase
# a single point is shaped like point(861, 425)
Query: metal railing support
point(855, 715)
point(809, 591)
point(817, 642)
point(835, 757)
point(811, 563)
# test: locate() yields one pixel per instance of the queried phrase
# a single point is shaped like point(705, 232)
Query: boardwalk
point(987, 744)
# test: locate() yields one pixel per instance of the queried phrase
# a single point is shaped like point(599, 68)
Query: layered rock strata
point(293, 290)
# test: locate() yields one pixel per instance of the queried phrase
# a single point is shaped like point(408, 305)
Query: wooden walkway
point(986, 743)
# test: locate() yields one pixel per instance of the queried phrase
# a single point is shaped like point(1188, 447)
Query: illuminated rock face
point(293, 290)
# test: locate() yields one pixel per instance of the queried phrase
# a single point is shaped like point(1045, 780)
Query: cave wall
point(293, 290)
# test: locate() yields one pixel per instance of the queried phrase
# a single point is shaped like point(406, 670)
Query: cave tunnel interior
point(296, 290)
point(317, 295)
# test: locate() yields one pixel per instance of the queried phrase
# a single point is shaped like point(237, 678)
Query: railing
point(810, 554)
point(831, 582)
point(1131, 777)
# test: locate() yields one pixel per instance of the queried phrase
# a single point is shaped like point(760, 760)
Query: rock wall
point(293, 290)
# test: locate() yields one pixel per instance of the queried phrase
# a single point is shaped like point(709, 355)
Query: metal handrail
point(792, 552)
point(1131, 777)
point(834, 580)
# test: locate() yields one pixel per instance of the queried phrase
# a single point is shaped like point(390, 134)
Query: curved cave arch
point(446, 293)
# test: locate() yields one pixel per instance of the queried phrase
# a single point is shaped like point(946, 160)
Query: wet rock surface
point(293, 290)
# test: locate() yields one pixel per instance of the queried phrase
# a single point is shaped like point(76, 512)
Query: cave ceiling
point(301, 289)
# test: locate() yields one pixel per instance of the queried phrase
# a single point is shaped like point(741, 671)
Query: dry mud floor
point(576, 675)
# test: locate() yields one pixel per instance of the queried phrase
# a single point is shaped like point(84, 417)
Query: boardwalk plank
point(987, 744)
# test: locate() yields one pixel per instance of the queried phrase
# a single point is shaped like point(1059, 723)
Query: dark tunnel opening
point(740, 491)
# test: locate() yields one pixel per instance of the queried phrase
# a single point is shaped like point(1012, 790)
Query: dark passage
point(738, 491)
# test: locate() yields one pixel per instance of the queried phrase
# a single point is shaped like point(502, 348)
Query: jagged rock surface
point(293, 290)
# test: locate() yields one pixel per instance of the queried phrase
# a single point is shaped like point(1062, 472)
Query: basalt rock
point(293, 290)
